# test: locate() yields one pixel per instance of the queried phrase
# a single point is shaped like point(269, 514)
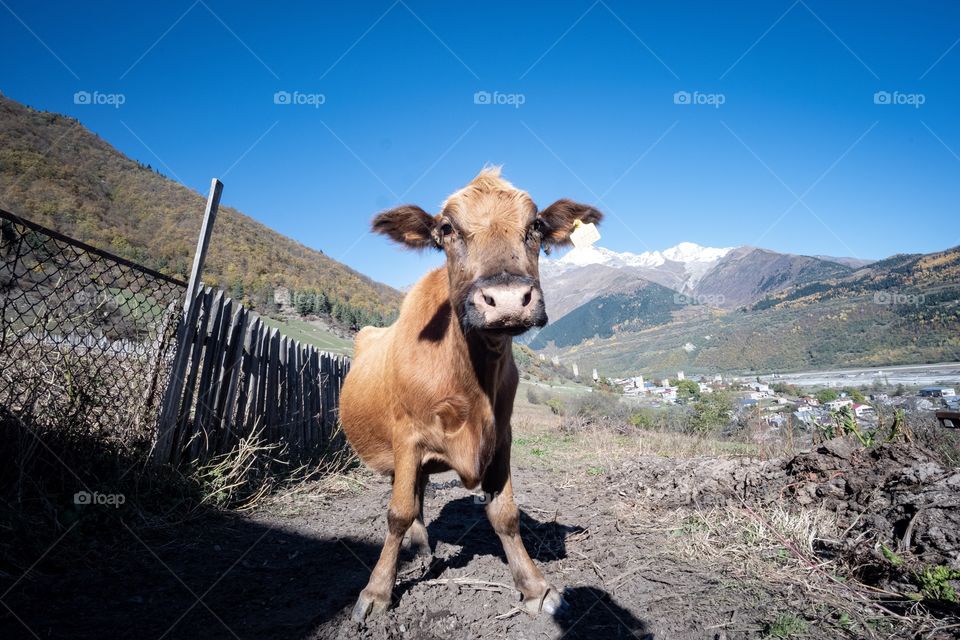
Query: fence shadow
point(220, 577)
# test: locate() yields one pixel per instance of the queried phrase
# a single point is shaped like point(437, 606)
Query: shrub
point(712, 412)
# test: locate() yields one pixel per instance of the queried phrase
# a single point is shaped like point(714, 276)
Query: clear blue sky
point(598, 121)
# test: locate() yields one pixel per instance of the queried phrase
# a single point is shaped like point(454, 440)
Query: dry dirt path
point(294, 568)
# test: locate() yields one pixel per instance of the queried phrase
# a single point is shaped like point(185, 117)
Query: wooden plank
point(273, 388)
point(247, 377)
point(213, 415)
point(213, 345)
point(283, 402)
point(203, 242)
point(186, 407)
point(233, 362)
point(312, 423)
point(302, 396)
point(259, 416)
point(173, 396)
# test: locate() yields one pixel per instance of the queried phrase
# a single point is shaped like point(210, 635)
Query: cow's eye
point(537, 225)
point(446, 229)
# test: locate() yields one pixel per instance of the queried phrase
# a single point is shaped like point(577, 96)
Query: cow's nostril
point(489, 300)
point(528, 296)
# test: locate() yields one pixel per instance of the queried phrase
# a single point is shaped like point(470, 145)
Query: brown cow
point(435, 390)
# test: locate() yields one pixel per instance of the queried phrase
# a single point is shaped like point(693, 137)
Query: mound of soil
point(896, 493)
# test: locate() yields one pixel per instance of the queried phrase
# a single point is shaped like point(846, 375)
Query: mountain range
point(747, 309)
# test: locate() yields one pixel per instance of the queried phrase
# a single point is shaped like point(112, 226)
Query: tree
point(236, 290)
point(711, 412)
point(826, 395)
point(686, 389)
point(320, 304)
point(855, 394)
point(303, 302)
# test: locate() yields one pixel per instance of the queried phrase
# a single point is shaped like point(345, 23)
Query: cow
point(435, 390)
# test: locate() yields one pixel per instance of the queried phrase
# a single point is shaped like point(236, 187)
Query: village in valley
point(773, 404)
point(810, 402)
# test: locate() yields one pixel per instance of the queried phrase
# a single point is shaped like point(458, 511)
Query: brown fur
point(425, 395)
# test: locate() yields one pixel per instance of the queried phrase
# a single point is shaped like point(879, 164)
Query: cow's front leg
point(375, 597)
point(419, 540)
point(502, 511)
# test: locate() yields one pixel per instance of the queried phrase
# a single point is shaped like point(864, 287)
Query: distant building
point(839, 403)
point(595, 375)
point(281, 296)
point(680, 375)
point(879, 397)
point(759, 386)
point(862, 410)
point(937, 392)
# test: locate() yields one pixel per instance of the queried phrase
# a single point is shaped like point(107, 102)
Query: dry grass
point(779, 547)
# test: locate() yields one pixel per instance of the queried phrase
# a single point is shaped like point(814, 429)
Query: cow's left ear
point(409, 225)
point(559, 220)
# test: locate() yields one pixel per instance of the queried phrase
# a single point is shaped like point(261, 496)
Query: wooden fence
point(234, 378)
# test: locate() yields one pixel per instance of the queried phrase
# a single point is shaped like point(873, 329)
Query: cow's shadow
point(463, 523)
point(592, 612)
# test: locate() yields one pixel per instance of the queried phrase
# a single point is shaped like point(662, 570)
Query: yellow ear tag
point(584, 235)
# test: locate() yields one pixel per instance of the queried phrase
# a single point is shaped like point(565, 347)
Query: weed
point(890, 556)
point(934, 583)
point(786, 625)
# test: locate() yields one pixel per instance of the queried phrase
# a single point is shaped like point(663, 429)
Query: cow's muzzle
point(505, 304)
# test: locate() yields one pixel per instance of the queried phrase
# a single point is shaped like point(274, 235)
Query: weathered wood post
point(169, 409)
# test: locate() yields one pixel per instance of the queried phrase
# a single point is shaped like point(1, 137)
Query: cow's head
point(492, 234)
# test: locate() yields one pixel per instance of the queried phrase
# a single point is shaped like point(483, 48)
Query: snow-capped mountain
point(679, 267)
point(725, 277)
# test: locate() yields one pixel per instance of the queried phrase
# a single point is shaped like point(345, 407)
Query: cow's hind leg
point(502, 511)
point(419, 540)
point(402, 512)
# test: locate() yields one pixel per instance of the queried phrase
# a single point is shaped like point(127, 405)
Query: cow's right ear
point(409, 225)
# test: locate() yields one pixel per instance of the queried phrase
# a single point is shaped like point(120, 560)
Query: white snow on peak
point(687, 253)
point(690, 252)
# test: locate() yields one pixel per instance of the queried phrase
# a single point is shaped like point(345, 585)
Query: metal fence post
point(169, 409)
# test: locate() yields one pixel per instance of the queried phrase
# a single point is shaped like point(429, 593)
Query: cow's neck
point(489, 356)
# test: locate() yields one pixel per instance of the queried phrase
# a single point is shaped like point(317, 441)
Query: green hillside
point(646, 306)
point(57, 173)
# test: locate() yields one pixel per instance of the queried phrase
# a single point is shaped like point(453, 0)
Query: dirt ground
point(650, 548)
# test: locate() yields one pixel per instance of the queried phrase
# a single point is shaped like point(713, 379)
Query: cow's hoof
point(368, 606)
point(551, 602)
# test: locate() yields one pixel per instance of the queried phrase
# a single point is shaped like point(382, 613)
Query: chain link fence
point(86, 338)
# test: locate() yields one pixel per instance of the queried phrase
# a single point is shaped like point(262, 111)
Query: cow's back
point(364, 399)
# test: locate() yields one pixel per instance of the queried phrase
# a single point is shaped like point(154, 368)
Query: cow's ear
point(560, 218)
point(408, 224)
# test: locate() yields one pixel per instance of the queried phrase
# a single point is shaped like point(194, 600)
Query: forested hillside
point(57, 173)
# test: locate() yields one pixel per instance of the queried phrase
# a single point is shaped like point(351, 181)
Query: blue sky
point(797, 156)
